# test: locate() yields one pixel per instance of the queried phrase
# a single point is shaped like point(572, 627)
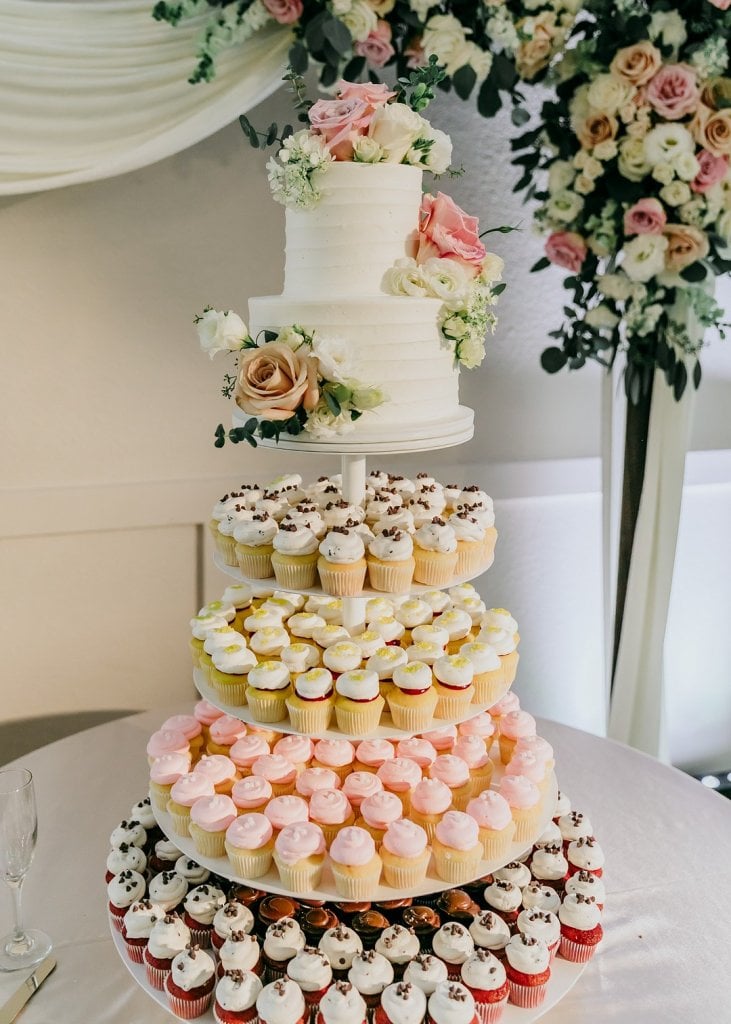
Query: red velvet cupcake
point(190, 984)
point(235, 998)
point(581, 930)
point(527, 969)
point(485, 978)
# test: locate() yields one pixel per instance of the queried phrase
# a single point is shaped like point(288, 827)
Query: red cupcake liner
point(222, 1016)
point(116, 916)
point(576, 952)
point(527, 996)
point(189, 1009)
point(216, 940)
point(156, 976)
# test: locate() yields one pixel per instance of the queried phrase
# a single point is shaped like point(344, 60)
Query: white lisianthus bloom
point(367, 150)
point(686, 166)
point(455, 326)
point(323, 425)
point(364, 397)
point(360, 20)
point(663, 173)
point(220, 331)
point(675, 194)
point(290, 336)
point(615, 286)
point(564, 206)
point(395, 127)
point(334, 357)
point(560, 176)
point(447, 280)
point(593, 168)
point(438, 156)
point(607, 93)
point(695, 212)
point(471, 351)
point(668, 28)
point(405, 277)
point(602, 317)
point(632, 162)
point(501, 30)
point(665, 143)
point(606, 150)
point(443, 35)
point(644, 257)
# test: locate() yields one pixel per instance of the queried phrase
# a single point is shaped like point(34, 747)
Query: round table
point(668, 879)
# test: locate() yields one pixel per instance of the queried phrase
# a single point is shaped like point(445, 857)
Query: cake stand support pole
point(353, 471)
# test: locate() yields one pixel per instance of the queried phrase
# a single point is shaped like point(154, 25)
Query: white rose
point(615, 286)
point(220, 331)
point(360, 20)
point(602, 317)
point(439, 156)
point(367, 150)
point(560, 176)
point(668, 27)
point(492, 268)
point(593, 168)
point(644, 257)
point(447, 280)
point(471, 351)
point(334, 356)
point(405, 278)
point(606, 150)
point(291, 336)
point(565, 206)
point(675, 194)
point(686, 166)
point(632, 160)
point(607, 93)
point(395, 126)
point(665, 142)
point(443, 35)
point(663, 172)
point(584, 185)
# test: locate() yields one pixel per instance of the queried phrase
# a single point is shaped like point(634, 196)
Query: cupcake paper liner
point(302, 876)
point(405, 875)
point(490, 1013)
point(298, 574)
point(267, 710)
point(356, 887)
point(527, 996)
point(222, 1016)
point(254, 563)
point(189, 1009)
point(576, 952)
point(457, 866)
point(359, 719)
point(342, 580)
point(208, 844)
point(311, 720)
point(410, 716)
point(392, 578)
point(434, 569)
point(135, 953)
point(249, 863)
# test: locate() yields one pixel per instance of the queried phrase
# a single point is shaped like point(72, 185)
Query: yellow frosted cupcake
point(500, 630)
point(228, 673)
point(412, 699)
point(299, 854)
point(489, 678)
point(295, 556)
point(358, 702)
point(457, 848)
point(249, 845)
point(355, 865)
point(312, 703)
point(391, 562)
point(268, 689)
point(341, 565)
point(453, 674)
point(435, 553)
point(255, 545)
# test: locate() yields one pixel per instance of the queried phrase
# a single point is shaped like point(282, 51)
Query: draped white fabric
point(90, 90)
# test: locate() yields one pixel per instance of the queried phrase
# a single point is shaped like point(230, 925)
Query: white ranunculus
point(686, 166)
point(443, 35)
point(615, 286)
point(676, 193)
point(447, 280)
point(560, 176)
point(602, 317)
point(471, 351)
point(564, 206)
point(632, 159)
point(334, 356)
point(367, 150)
point(644, 257)
point(292, 337)
point(607, 93)
point(220, 331)
point(479, 60)
point(360, 20)
point(665, 142)
point(668, 28)
point(395, 127)
point(405, 277)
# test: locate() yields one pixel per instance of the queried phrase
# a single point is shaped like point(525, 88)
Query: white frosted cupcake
point(235, 997)
point(342, 565)
point(453, 944)
point(267, 690)
point(230, 666)
point(470, 543)
point(453, 686)
point(435, 553)
point(358, 702)
point(281, 1002)
point(294, 559)
point(254, 537)
point(312, 703)
point(391, 561)
point(412, 699)
point(426, 972)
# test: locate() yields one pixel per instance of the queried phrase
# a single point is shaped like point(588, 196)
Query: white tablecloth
point(664, 959)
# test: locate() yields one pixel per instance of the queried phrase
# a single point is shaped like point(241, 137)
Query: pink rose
point(414, 53)
point(566, 249)
point(722, 5)
point(673, 92)
point(370, 93)
point(340, 122)
point(284, 11)
point(646, 217)
point(712, 170)
point(448, 232)
point(377, 48)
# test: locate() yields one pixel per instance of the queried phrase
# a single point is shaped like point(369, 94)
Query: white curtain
point(90, 90)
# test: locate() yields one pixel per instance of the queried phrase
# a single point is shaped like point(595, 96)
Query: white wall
point(108, 463)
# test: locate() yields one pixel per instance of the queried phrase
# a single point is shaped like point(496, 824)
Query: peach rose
point(566, 249)
point(712, 130)
point(286, 12)
point(597, 128)
point(273, 381)
point(686, 244)
point(414, 53)
point(712, 170)
point(646, 217)
point(637, 63)
point(377, 48)
point(375, 95)
point(716, 93)
point(673, 92)
point(340, 122)
point(448, 232)
point(534, 53)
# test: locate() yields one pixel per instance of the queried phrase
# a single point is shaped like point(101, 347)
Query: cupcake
point(125, 857)
point(455, 774)
point(281, 1002)
point(295, 555)
point(169, 936)
point(341, 1004)
point(282, 942)
point(331, 810)
point(268, 688)
point(254, 545)
point(190, 983)
point(167, 741)
point(269, 642)
point(367, 922)
point(384, 663)
point(573, 825)
point(514, 726)
point(527, 969)
point(399, 945)
point(494, 819)
point(585, 854)
point(201, 906)
point(451, 1003)
point(311, 704)
point(249, 844)
point(168, 888)
point(344, 656)
point(137, 924)
point(340, 945)
point(525, 805)
point(581, 929)
point(504, 898)
point(311, 780)
point(425, 922)
point(220, 770)
point(329, 634)
point(457, 848)
point(453, 686)
point(458, 625)
point(164, 772)
point(377, 812)
point(371, 754)
point(540, 897)
point(543, 925)
point(430, 799)
point(442, 739)
point(500, 630)
point(358, 786)
point(370, 973)
point(490, 932)
point(227, 675)
point(299, 854)
point(338, 755)
point(514, 871)
point(235, 512)
point(405, 854)
point(453, 944)
point(549, 866)
point(231, 917)
point(525, 763)
point(425, 972)
point(163, 856)
point(470, 543)
point(401, 1003)
point(355, 864)
point(297, 749)
point(435, 553)
point(246, 750)
point(316, 919)
point(311, 970)
point(223, 733)
point(484, 977)
point(251, 793)
point(123, 890)
point(210, 816)
point(358, 702)
point(342, 565)
point(201, 626)
point(303, 624)
point(391, 561)
point(286, 810)
point(240, 951)
point(400, 775)
point(474, 752)
point(412, 700)
point(489, 678)
point(587, 884)
point(278, 771)
point(417, 749)
point(235, 998)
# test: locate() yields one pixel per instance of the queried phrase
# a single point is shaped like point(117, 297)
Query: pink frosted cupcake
point(210, 816)
point(206, 713)
point(429, 801)
point(299, 853)
point(355, 864)
point(297, 749)
point(164, 772)
point(220, 770)
point(443, 739)
point(454, 772)
point(503, 707)
point(514, 726)
point(311, 780)
point(249, 844)
point(278, 771)
point(190, 728)
point(481, 725)
point(400, 776)
point(523, 762)
point(337, 755)
point(417, 749)
point(539, 747)
point(245, 751)
point(286, 810)
point(331, 810)
point(377, 812)
point(166, 741)
point(252, 793)
point(473, 751)
point(360, 785)
point(405, 854)
point(494, 819)
point(183, 794)
point(371, 754)
point(525, 805)
point(457, 848)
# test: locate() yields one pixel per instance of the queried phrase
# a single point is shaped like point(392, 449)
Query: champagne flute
point(18, 832)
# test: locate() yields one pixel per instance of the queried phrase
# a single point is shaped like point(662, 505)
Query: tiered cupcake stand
point(563, 973)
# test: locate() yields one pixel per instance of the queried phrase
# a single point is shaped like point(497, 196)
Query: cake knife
point(10, 1009)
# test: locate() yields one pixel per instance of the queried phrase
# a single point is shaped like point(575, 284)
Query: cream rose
point(534, 54)
point(644, 257)
point(633, 163)
point(273, 382)
point(597, 128)
point(560, 176)
point(439, 155)
point(607, 93)
point(601, 317)
point(395, 128)
point(220, 331)
point(360, 20)
point(637, 63)
point(443, 35)
point(492, 268)
point(686, 244)
point(367, 151)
